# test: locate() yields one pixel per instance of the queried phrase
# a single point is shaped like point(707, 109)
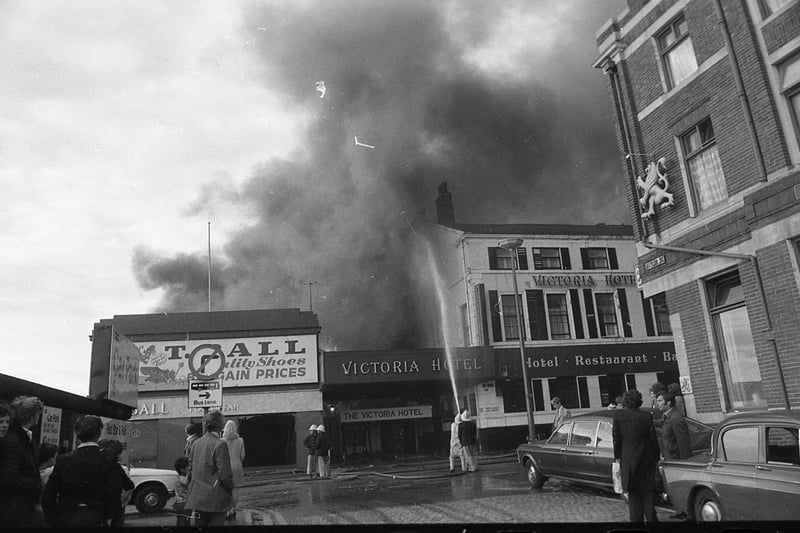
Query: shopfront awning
point(11, 387)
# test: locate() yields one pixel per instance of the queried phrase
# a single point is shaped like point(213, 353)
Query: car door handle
point(562, 450)
point(759, 467)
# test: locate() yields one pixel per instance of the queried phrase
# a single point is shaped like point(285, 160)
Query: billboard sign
point(123, 379)
point(239, 362)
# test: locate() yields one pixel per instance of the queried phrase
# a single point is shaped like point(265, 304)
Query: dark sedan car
point(752, 471)
point(582, 450)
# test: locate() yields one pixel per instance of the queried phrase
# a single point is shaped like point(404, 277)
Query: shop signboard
point(51, 425)
point(238, 362)
point(465, 364)
point(387, 413)
point(590, 359)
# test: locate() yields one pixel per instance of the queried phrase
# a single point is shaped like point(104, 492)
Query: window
point(611, 386)
point(737, 354)
point(606, 314)
point(604, 436)
point(656, 315)
point(510, 321)
point(558, 315)
point(599, 258)
point(513, 396)
point(790, 87)
point(782, 446)
point(740, 444)
point(677, 52)
point(583, 434)
point(561, 435)
point(551, 259)
point(464, 323)
point(707, 183)
point(572, 391)
point(768, 7)
point(500, 259)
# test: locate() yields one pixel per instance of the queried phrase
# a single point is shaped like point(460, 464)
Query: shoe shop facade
point(264, 364)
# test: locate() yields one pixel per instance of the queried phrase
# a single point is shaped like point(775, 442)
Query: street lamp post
point(511, 245)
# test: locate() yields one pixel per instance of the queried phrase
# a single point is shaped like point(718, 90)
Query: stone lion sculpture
point(654, 188)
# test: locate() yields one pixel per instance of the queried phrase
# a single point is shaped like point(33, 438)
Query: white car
point(153, 487)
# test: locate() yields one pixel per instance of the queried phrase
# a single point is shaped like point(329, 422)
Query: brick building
point(706, 100)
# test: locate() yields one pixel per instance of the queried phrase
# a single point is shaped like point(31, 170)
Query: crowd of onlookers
point(44, 485)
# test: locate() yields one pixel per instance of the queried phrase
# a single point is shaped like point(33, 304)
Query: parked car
point(153, 487)
point(752, 471)
point(582, 449)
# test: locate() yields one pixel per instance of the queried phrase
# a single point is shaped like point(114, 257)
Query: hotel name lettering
point(358, 368)
point(600, 360)
point(582, 280)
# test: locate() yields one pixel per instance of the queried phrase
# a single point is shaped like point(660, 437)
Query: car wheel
point(150, 498)
point(535, 478)
point(707, 507)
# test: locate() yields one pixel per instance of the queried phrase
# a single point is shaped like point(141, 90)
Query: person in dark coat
point(680, 403)
point(636, 449)
point(674, 430)
point(84, 489)
point(310, 443)
point(113, 449)
point(193, 432)
point(468, 437)
point(20, 482)
point(5, 418)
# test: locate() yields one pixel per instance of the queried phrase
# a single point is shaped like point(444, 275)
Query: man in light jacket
point(456, 450)
point(468, 437)
point(210, 475)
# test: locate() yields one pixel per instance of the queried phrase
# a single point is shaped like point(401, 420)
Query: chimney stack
point(445, 212)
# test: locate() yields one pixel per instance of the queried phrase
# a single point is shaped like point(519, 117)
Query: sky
point(132, 131)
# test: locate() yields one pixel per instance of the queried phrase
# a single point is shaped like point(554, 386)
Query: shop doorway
point(269, 440)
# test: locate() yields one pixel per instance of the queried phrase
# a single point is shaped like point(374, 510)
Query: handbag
point(616, 476)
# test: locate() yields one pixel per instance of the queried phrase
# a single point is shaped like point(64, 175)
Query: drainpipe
point(466, 290)
point(740, 92)
point(762, 298)
point(616, 89)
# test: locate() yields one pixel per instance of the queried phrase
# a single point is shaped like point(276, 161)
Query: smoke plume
point(520, 130)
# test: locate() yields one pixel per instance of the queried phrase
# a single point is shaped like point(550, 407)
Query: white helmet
point(321, 428)
point(313, 427)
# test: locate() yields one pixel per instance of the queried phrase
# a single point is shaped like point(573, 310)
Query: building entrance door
point(268, 440)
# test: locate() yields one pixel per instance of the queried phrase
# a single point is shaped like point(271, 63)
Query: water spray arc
point(444, 317)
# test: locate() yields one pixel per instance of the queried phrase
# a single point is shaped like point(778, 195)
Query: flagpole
point(209, 266)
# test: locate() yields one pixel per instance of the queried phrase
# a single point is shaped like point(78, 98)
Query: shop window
point(473, 404)
point(599, 259)
point(551, 259)
point(583, 393)
point(737, 355)
point(566, 388)
point(706, 180)
point(630, 382)
point(611, 386)
point(606, 314)
point(768, 7)
point(537, 389)
point(501, 259)
point(511, 323)
point(513, 396)
point(790, 88)
point(558, 315)
point(677, 52)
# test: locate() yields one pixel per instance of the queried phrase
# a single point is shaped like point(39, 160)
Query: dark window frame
point(665, 49)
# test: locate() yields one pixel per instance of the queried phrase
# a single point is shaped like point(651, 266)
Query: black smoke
point(534, 147)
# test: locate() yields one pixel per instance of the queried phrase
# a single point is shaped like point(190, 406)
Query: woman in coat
point(20, 482)
point(236, 449)
point(636, 449)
